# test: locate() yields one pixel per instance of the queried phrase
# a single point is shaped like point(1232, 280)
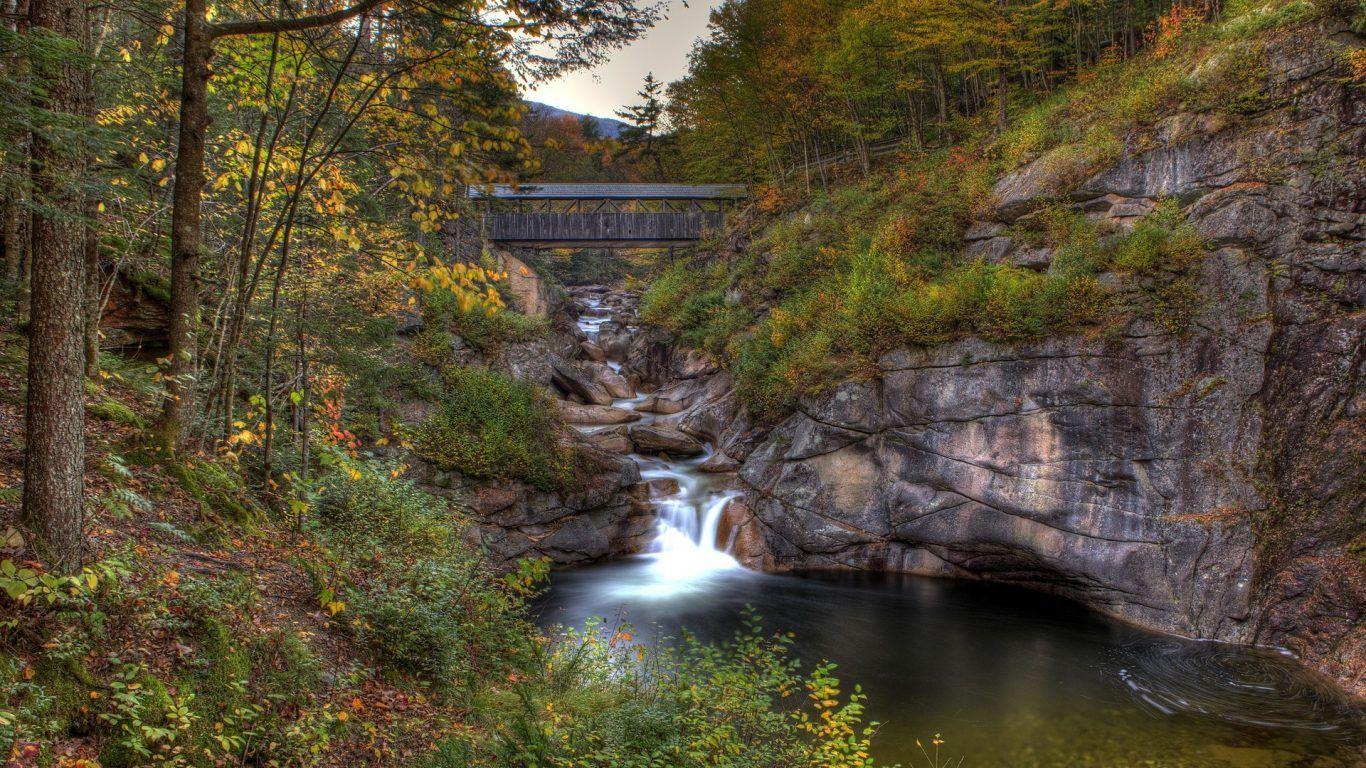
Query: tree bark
point(93, 296)
point(54, 462)
point(185, 229)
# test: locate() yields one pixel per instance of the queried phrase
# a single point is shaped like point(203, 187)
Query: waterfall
point(687, 504)
point(686, 522)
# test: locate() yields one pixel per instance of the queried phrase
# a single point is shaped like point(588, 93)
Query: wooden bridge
point(604, 215)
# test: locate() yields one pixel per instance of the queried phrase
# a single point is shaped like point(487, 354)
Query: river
point(1009, 677)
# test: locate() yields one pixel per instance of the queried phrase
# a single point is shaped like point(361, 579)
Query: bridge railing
point(587, 227)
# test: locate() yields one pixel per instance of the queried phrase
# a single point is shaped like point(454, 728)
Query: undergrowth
point(488, 424)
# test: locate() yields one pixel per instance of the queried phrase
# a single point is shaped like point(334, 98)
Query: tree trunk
point(185, 229)
point(93, 297)
point(54, 462)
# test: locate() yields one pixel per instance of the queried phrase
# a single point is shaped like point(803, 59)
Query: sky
point(663, 50)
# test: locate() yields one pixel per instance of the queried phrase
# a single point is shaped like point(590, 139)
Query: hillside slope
point(1114, 352)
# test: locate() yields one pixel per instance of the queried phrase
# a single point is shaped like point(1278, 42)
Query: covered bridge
point(604, 215)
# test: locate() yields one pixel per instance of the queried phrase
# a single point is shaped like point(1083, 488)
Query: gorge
point(898, 382)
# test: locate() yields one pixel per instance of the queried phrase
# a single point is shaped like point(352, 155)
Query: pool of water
point(1009, 677)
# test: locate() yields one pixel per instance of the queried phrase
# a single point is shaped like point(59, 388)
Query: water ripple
point(1237, 685)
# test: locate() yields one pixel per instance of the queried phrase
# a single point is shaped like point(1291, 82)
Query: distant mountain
point(606, 125)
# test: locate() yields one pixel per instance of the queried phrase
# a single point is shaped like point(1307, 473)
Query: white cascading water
point(688, 512)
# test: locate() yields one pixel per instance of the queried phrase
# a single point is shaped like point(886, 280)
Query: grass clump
point(690, 303)
point(903, 285)
point(488, 424)
point(1161, 242)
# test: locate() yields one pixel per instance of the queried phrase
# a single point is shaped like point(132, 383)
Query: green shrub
point(599, 701)
point(481, 328)
point(368, 511)
point(420, 600)
point(1160, 242)
point(773, 373)
point(410, 622)
point(490, 425)
point(221, 490)
point(432, 346)
point(667, 293)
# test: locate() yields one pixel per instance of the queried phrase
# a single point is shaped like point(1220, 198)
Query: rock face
point(1206, 482)
point(1081, 467)
point(134, 318)
point(603, 514)
point(529, 291)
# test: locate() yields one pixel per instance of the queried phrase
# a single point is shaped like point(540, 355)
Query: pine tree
point(644, 124)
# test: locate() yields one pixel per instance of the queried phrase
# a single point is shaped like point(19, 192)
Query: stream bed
point(1008, 677)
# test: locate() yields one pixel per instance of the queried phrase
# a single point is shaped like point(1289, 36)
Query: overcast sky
point(664, 51)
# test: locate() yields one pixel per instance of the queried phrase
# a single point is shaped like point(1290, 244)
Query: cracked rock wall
point(1207, 483)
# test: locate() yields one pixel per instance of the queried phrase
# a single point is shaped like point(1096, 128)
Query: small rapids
point(684, 554)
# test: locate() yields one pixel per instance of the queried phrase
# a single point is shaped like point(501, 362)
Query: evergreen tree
point(644, 124)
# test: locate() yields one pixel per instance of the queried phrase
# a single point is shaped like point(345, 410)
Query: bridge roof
point(612, 192)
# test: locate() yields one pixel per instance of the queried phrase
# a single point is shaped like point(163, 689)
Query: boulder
point(605, 512)
point(592, 351)
point(1037, 183)
point(530, 295)
point(135, 316)
point(661, 438)
point(991, 250)
point(577, 413)
point(572, 379)
point(719, 462)
point(614, 383)
point(613, 440)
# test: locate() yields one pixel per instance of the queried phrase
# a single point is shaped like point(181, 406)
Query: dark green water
point(1009, 677)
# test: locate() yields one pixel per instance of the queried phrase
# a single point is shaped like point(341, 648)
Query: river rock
point(719, 462)
point(661, 438)
point(574, 379)
point(661, 487)
point(615, 384)
point(592, 351)
point(580, 413)
point(613, 440)
point(740, 534)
